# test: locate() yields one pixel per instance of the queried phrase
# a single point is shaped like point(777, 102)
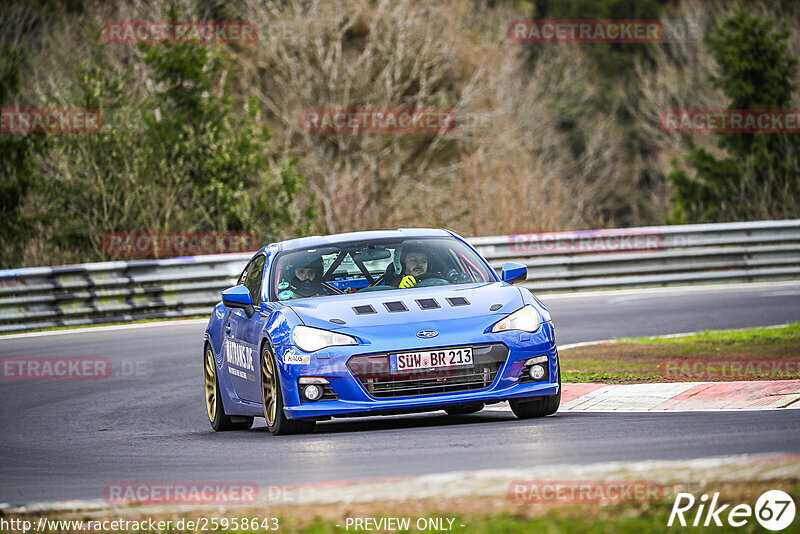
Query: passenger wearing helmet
point(307, 276)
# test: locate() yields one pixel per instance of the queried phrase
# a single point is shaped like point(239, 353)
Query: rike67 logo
point(774, 510)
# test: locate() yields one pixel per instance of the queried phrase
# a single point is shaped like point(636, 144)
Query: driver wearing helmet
point(414, 261)
point(307, 276)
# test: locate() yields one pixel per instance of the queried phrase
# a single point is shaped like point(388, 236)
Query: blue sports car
point(375, 323)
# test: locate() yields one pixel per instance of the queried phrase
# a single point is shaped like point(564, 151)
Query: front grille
point(374, 373)
point(328, 393)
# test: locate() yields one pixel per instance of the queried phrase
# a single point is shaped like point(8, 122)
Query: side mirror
point(239, 297)
point(514, 272)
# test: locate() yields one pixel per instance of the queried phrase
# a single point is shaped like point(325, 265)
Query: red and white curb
point(751, 395)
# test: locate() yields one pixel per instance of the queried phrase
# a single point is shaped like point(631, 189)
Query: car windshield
point(378, 265)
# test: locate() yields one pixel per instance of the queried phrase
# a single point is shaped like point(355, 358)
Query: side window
point(251, 277)
point(243, 276)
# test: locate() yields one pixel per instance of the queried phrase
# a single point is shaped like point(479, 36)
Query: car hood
point(480, 298)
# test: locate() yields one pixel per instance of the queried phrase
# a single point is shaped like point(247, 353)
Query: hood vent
point(428, 304)
point(395, 306)
point(457, 301)
point(364, 310)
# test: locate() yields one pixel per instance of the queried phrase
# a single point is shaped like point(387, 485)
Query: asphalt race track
point(64, 440)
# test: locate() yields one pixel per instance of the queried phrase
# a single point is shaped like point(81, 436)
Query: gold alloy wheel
point(269, 390)
point(211, 385)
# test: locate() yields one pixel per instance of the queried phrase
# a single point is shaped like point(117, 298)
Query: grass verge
point(749, 354)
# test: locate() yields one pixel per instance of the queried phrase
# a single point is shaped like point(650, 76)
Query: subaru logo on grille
point(427, 333)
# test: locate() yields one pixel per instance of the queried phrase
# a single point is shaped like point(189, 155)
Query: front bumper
point(353, 397)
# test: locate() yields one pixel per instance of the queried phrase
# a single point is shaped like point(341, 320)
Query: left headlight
point(310, 339)
point(526, 319)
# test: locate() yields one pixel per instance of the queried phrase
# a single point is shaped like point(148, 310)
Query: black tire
point(464, 409)
point(537, 406)
point(220, 421)
point(272, 399)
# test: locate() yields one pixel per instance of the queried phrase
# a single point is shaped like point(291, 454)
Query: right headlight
point(526, 319)
point(310, 339)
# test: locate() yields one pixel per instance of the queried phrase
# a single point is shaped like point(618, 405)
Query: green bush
point(758, 177)
point(190, 159)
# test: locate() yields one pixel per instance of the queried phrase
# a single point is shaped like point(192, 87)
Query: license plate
point(431, 359)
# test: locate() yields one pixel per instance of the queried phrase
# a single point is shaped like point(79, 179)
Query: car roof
point(318, 240)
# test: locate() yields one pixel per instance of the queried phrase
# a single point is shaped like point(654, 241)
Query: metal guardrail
point(90, 293)
point(671, 255)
